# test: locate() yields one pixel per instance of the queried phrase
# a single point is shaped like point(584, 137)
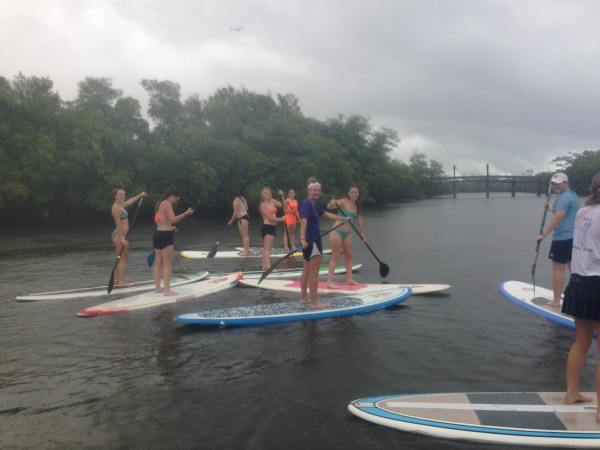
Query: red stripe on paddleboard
point(91, 312)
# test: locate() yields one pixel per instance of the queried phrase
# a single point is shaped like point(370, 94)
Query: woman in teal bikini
point(121, 218)
point(341, 239)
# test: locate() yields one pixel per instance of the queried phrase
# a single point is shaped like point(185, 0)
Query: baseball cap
point(559, 178)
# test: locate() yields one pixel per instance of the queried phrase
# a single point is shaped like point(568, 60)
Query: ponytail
point(594, 198)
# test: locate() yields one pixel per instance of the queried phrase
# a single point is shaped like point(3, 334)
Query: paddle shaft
point(285, 228)
point(361, 236)
point(111, 282)
point(213, 250)
point(539, 243)
point(283, 258)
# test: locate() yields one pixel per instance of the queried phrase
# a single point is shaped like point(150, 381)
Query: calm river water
point(142, 381)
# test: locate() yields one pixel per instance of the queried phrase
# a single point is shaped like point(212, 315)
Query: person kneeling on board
point(582, 296)
point(312, 248)
point(562, 224)
point(164, 239)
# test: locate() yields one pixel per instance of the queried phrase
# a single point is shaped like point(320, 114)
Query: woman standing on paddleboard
point(164, 239)
point(268, 211)
point(342, 237)
point(582, 296)
point(121, 217)
point(240, 214)
point(310, 238)
point(292, 217)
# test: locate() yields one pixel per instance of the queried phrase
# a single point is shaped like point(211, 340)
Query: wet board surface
point(153, 299)
point(343, 288)
point(522, 294)
point(101, 291)
point(232, 254)
point(518, 418)
point(294, 311)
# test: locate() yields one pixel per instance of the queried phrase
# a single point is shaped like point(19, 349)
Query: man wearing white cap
point(562, 226)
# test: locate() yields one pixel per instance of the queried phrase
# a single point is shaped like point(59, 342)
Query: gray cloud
point(510, 82)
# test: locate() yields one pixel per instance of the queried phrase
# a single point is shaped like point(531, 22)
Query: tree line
point(61, 159)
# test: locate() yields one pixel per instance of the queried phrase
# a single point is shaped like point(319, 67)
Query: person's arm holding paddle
point(134, 199)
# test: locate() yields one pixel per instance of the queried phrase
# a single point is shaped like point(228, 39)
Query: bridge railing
point(539, 181)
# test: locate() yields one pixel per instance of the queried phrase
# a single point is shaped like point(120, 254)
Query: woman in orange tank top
point(292, 217)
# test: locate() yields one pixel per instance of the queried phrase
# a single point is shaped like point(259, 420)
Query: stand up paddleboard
point(294, 311)
point(100, 291)
point(152, 299)
point(343, 288)
point(234, 254)
point(295, 273)
point(517, 418)
point(522, 294)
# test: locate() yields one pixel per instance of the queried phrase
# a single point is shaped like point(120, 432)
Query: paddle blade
point(384, 270)
point(213, 251)
point(111, 280)
point(150, 259)
point(265, 274)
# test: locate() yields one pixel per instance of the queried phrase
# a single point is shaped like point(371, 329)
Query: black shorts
point(560, 251)
point(245, 217)
point(162, 239)
point(267, 229)
point(582, 298)
point(315, 248)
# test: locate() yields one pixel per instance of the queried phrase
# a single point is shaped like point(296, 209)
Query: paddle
point(111, 280)
point(384, 269)
point(267, 272)
point(537, 245)
point(287, 233)
point(213, 250)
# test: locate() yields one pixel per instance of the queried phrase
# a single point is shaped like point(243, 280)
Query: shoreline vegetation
point(60, 160)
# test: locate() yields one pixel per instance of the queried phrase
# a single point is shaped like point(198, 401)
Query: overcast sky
point(514, 82)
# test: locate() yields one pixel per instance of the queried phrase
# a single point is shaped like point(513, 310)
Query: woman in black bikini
point(268, 211)
point(164, 242)
point(240, 214)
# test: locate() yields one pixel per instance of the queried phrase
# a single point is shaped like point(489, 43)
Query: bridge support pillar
point(454, 183)
point(487, 181)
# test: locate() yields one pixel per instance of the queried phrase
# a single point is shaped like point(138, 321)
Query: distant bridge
point(440, 184)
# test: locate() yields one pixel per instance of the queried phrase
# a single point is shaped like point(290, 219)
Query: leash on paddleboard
point(537, 245)
point(213, 250)
point(384, 269)
point(267, 272)
point(111, 280)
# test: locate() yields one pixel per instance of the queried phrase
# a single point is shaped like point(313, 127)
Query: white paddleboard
point(522, 294)
point(515, 418)
point(152, 299)
point(295, 273)
point(100, 291)
point(294, 311)
point(327, 251)
point(341, 288)
point(255, 252)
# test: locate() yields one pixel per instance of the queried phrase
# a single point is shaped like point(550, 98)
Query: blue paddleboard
point(294, 311)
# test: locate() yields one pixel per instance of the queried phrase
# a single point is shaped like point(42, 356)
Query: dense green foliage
point(581, 168)
point(60, 159)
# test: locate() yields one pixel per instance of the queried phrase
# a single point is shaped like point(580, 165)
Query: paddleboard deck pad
point(517, 418)
point(522, 294)
point(342, 288)
point(101, 291)
point(294, 311)
point(153, 299)
point(295, 273)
